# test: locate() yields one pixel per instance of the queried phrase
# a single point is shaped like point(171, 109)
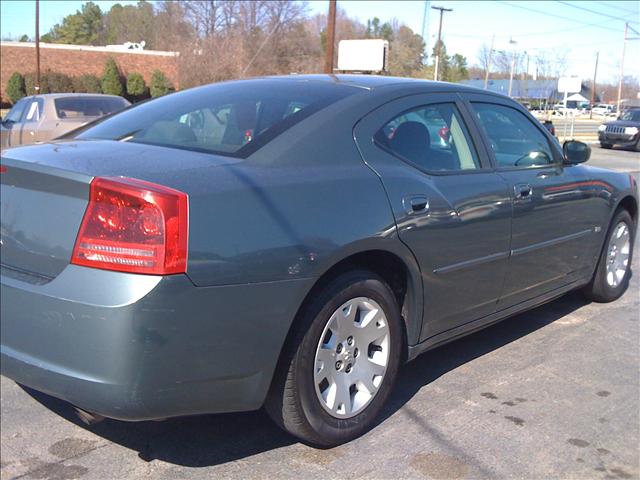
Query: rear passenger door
point(450, 208)
point(552, 225)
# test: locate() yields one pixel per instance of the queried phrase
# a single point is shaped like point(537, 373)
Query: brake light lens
point(133, 226)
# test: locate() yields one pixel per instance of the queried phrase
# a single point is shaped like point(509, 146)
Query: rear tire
point(611, 278)
point(305, 397)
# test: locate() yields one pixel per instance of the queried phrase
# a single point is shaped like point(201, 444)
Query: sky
point(581, 28)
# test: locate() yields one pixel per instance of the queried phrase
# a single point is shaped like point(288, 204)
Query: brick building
point(76, 60)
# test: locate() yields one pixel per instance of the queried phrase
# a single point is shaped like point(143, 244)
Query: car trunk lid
point(41, 209)
point(45, 192)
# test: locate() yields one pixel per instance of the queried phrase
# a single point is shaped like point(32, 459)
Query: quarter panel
point(287, 210)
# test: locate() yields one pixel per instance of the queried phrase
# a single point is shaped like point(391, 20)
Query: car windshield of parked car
point(15, 113)
point(83, 107)
point(631, 115)
point(233, 119)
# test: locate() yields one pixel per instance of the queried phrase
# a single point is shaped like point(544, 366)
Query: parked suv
point(43, 117)
point(625, 131)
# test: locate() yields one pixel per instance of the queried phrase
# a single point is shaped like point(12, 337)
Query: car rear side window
point(34, 111)
point(514, 139)
point(432, 137)
point(82, 107)
point(233, 119)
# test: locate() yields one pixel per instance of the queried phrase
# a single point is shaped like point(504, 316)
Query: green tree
point(444, 64)
point(130, 23)
point(15, 87)
point(24, 38)
point(59, 83)
point(160, 84)
point(459, 70)
point(406, 51)
point(84, 27)
point(30, 83)
point(377, 30)
point(136, 88)
point(87, 84)
point(111, 79)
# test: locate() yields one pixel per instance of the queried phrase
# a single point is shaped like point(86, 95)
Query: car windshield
point(82, 107)
point(16, 112)
point(631, 115)
point(233, 119)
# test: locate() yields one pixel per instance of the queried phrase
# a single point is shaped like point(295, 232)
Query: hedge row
point(112, 82)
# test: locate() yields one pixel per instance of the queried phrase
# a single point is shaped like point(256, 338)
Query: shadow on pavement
point(216, 439)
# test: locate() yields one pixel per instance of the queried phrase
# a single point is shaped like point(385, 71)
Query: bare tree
point(484, 57)
point(206, 15)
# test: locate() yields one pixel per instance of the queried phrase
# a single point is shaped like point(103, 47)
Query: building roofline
point(89, 48)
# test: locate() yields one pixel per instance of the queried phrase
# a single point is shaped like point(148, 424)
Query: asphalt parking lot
point(553, 392)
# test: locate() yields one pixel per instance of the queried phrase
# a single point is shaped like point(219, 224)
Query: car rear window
point(82, 107)
point(233, 119)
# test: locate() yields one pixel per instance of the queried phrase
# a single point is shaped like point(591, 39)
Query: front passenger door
point(552, 225)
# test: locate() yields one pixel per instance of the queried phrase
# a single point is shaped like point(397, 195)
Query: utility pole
point(331, 37)
point(593, 87)
point(486, 74)
point(624, 46)
point(439, 44)
point(513, 66)
point(425, 18)
point(37, 85)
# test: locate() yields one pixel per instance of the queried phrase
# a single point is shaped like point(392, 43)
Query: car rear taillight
point(133, 226)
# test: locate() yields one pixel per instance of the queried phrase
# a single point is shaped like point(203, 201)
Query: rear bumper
point(137, 347)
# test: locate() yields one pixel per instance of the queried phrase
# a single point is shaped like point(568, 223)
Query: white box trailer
point(363, 55)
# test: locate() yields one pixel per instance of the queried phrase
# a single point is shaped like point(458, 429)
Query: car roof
point(373, 82)
point(71, 95)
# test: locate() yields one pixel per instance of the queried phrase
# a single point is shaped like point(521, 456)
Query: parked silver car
point(43, 117)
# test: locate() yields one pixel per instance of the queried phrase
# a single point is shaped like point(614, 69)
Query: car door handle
point(523, 191)
point(416, 204)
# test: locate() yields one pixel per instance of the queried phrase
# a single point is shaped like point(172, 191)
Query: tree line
point(225, 39)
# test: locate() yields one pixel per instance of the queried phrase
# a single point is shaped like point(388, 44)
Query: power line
point(597, 13)
point(532, 34)
point(608, 5)
point(558, 16)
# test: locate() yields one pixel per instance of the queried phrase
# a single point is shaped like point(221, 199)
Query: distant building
point(541, 90)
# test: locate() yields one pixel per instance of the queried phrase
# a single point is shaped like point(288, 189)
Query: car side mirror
point(575, 152)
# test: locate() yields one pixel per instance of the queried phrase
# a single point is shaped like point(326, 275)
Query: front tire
point(608, 146)
point(339, 367)
point(613, 271)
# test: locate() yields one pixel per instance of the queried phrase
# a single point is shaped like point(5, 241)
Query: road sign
point(569, 84)
point(363, 55)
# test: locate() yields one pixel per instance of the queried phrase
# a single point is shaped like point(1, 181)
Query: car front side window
point(514, 139)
